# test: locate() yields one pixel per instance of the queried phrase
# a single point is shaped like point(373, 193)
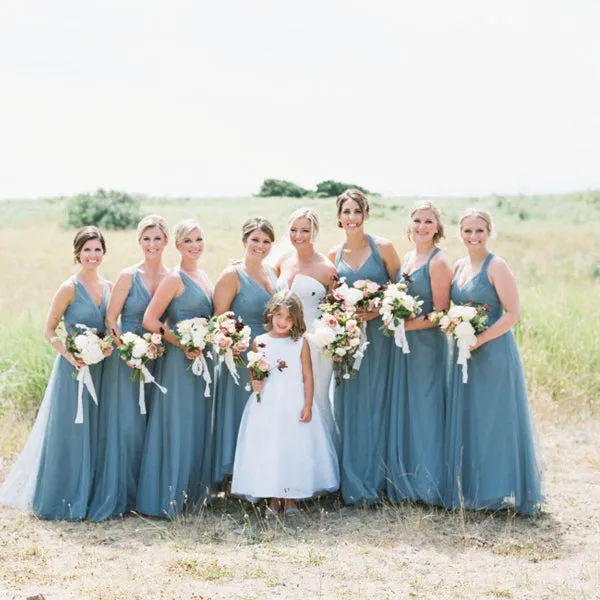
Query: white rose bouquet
point(260, 368)
point(230, 338)
point(193, 336)
point(86, 344)
point(462, 322)
point(138, 351)
point(397, 306)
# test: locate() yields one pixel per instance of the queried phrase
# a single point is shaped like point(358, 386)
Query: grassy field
point(553, 247)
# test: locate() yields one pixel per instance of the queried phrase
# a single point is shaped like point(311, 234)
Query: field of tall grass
point(551, 243)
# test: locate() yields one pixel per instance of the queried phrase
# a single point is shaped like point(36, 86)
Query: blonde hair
point(84, 235)
point(257, 223)
point(428, 205)
point(152, 221)
point(306, 213)
point(477, 212)
point(289, 300)
point(352, 194)
point(184, 228)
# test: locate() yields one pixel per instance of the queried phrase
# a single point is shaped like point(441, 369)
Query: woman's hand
point(192, 354)
point(363, 315)
point(306, 414)
point(478, 343)
point(108, 351)
point(257, 386)
point(76, 362)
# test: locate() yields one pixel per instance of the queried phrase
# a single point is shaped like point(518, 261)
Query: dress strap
point(272, 276)
point(486, 262)
point(338, 254)
point(435, 251)
point(374, 251)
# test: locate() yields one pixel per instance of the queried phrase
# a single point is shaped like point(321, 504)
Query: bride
point(308, 273)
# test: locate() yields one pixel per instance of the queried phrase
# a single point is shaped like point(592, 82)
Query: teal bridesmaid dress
point(176, 459)
point(417, 390)
point(490, 438)
point(68, 456)
point(230, 399)
point(122, 428)
point(361, 404)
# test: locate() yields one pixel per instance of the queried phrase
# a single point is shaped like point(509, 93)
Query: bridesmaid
point(245, 289)
point(122, 426)
point(416, 428)
point(490, 437)
point(175, 469)
point(54, 474)
point(361, 404)
point(309, 273)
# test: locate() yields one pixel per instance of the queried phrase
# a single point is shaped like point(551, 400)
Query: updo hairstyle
point(83, 235)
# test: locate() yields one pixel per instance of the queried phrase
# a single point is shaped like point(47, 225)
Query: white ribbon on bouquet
point(360, 349)
point(84, 377)
point(147, 377)
point(230, 362)
point(464, 353)
point(200, 367)
point(400, 337)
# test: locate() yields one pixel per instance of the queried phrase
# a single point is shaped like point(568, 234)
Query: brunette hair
point(484, 215)
point(428, 205)
point(153, 221)
point(306, 213)
point(184, 228)
point(253, 223)
point(83, 235)
point(289, 300)
point(352, 194)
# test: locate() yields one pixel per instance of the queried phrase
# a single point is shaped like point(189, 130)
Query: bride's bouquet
point(397, 306)
point(462, 322)
point(230, 338)
point(138, 351)
point(260, 368)
point(193, 336)
point(86, 344)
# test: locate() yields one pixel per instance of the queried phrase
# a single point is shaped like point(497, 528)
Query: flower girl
point(283, 451)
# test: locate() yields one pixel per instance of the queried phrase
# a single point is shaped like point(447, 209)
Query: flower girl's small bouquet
point(397, 306)
point(138, 351)
point(259, 367)
point(86, 344)
point(230, 338)
point(462, 322)
point(193, 335)
point(339, 336)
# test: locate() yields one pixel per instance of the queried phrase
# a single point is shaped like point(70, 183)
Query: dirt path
point(329, 552)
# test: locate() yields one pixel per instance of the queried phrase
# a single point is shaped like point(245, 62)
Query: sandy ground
point(330, 552)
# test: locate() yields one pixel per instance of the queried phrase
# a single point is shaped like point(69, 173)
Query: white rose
point(140, 347)
point(353, 296)
point(340, 351)
point(156, 338)
point(128, 337)
point(82, 341)
point(360, 284)
point(198, 338)
point(254, 356)
point(372, 287)
point(465, 332)
point(354, 342)
point(92, 354)
point(323, 336)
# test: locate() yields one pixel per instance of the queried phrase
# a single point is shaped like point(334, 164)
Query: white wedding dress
point(312, 292)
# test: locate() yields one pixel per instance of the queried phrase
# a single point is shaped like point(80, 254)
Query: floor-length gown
point(54, 474)
point(361, 404)
point(417, 389)
point(311, 293)
point(490, 437)
point(230, 399)
point(176, 460)
point(122, 427)
point(277, 455)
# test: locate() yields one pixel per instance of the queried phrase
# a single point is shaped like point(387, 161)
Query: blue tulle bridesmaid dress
point(417, 389)
point(230, 399)
point(122, 427)
point(66, 467)
point(490, 438)
point(361, 404)
point(176, 460)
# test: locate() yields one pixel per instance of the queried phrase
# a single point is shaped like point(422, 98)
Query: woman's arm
point(226, 288)
point(115, 304)
point(309, 386)
point(440, 273)
point(169, 288)
point(61, 301)
point(501, 277)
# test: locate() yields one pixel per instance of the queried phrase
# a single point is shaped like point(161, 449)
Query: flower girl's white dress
point(277, 456)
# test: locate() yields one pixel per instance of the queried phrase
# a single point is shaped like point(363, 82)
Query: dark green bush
point(280, 187)
point(335, 188)
point(108, 210)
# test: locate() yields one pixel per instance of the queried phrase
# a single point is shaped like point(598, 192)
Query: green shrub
point(109, 210)
point(280, 187)
point(329, 188)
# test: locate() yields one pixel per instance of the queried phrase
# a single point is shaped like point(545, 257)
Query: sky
point(198, 98)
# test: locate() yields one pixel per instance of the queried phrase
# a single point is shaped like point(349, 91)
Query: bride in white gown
point(308, 273)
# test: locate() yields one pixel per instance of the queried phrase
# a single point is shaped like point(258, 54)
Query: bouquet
point(462, 322)
point(138, 351)
point(260, 368)
point(363, 295)
point(230, 338)
point(397, 306)
point(86, 344)
point(340, 337)
point(372, 295)
point(193, 335)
